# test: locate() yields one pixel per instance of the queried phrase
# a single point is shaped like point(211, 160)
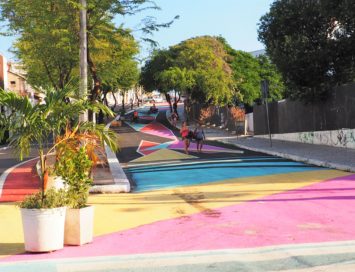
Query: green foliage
point(47, 45)
point(30, 124)
point(311, 43)
point(196, 67)
point(74, 168)
point(249, 71)
point(160, 61)
point(51, 199)
point(48, 40)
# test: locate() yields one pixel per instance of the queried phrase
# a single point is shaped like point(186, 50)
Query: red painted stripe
point(21, 182)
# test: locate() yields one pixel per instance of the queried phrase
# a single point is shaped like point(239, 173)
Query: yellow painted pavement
point(164, 154)
point(121, 212)
point(125, 211)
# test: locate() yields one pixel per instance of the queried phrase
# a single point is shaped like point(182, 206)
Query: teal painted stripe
point(179, 167)
point(290, 257)
point(186, 176)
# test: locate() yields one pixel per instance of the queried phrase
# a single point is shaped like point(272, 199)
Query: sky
point(235, 20)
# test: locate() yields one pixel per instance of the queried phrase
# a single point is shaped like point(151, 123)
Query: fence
point(288, 116)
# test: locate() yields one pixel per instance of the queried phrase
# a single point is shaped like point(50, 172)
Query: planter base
point(79, 225)
point(43, 229)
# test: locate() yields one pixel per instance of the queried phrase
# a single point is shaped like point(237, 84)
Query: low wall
point(250, 122)
point(339, 138)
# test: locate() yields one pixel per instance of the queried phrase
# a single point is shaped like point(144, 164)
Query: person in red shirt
point(185, 134)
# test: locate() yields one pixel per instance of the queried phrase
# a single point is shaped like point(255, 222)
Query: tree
point(150, 79)
point(309, 42)
point(33, 20)
point(196, 67)
point(47, 47)
point(248, 71)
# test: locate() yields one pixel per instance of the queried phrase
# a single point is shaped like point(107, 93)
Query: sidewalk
point(320, 155)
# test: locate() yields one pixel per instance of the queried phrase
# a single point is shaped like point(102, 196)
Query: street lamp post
point(83, 57)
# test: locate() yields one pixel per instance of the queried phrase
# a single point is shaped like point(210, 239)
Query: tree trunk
point(168, 99)
point(114, 97)
point(137, 98)
point(123, 108)
point(105, 98)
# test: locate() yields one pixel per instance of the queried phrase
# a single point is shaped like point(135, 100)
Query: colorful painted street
point(225, 209)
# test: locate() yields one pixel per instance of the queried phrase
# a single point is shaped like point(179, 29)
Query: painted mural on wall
point(339, 138)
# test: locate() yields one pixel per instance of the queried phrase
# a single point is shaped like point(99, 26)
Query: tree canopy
point(249, 71)
point(311, 43)
point(48, 42)
point(196, 67)
point(47, 47)
point(209, 70)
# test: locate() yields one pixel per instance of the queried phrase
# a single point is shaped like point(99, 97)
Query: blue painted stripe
point(179, 167)
point(136, 166)
point(156, 180)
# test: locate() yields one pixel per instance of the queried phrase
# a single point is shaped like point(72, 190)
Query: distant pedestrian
point(131, 101)
point(135, 116)
point(186, 136)
point(175, 106)
point(174, 118)
point(199, 136)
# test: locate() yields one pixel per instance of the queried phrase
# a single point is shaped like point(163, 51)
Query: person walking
point(199, 135)
point(185, 134)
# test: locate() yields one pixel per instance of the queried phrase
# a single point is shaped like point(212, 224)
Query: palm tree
point(37, 124)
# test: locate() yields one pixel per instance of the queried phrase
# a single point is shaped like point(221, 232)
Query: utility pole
point(265, 93)
point(83, 58)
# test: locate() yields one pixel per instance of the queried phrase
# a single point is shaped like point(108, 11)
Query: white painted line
point(8, 171)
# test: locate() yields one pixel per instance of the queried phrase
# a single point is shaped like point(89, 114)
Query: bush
point(52, 199)
point(206, 114)
point(74, 167)
point(237, 114)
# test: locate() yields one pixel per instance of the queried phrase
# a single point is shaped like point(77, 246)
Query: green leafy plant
point(29, 124)
point(74, 168)
point(51, 199)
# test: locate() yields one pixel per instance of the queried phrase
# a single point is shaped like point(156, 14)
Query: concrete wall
point(249, 117)
point(16, 84)
point(339, 138)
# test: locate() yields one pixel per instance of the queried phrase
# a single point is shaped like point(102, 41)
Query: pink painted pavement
point(322, 212)
point(158, 129)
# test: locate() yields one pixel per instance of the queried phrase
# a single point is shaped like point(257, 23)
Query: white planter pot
point(43, 229)
point(79, 226)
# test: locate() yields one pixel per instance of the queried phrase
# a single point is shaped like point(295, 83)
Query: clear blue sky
point(235, 20)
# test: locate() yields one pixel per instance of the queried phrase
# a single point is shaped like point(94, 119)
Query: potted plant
point(43, 220)
point(74, 167)
point(43, 125)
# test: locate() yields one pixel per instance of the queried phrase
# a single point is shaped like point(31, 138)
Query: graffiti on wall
point(339, 138)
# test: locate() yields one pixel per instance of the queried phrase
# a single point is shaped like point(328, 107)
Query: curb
point(5, 148)
point(121, 182)
point(294, 157)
